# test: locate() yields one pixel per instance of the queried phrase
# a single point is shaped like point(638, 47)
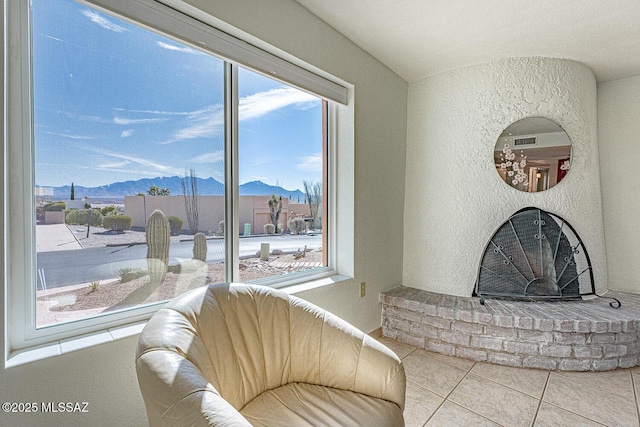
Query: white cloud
point(214, 157)
point(95, 119)
point(64, 135)
point(173, 47)
point(202, 128)
point(129, 171)
point(126, 133)
point(163, 113)
point(209, 121)
point(138, 165)
point(100, 20)
point(113, 165)
point(262, 103)
point(203, 123)
point(51, 37)
point(311, 163)
point(123, 121)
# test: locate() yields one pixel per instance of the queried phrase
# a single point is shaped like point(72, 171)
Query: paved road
point(62, 268)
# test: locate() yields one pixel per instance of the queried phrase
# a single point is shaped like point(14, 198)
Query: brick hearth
point(567, 335)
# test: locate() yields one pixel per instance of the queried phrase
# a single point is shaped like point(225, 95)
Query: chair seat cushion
point(301, 404)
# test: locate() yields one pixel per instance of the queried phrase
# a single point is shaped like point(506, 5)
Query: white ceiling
point(420, 38)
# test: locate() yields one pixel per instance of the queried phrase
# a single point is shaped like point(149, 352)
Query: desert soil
point(117, 294)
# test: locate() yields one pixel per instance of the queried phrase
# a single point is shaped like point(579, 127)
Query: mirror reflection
point(533, 154)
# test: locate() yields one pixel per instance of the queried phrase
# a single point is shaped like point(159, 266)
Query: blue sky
point(113, 102)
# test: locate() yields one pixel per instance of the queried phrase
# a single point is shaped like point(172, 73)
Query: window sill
point(314, 284)
point(68, 345)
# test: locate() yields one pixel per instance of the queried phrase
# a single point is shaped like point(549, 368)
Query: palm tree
point(154, 190)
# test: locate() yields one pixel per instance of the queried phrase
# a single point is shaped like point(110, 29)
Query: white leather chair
point(240, 355)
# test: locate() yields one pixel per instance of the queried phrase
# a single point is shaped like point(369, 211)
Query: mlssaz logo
point(65, 407)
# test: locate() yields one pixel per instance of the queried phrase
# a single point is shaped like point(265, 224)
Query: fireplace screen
point(535, 255)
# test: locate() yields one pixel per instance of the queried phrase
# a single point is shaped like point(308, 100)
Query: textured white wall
point(618, 135)
point(455, 200)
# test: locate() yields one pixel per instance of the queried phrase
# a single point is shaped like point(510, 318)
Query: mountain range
point(206, 187)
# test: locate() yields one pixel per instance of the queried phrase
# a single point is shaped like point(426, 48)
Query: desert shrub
point(55, 207)
point(175, 223)
point(269, 229)
point(297, 225)
point(124, 271)
point(128, 274)
point(109, 210)
point(94, 286)
point(81, 217)
point(117, 222)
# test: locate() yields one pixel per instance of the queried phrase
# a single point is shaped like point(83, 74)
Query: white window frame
point(24, 342)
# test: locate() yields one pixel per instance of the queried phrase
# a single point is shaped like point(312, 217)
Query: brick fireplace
point(455, 200)
point(586, 335)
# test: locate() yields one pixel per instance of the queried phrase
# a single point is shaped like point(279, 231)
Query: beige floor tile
point(450, 415)
point(495, 401)
point(431, 373)
point(528, 381)
point(552, 416)
point(595, 403)
point(402, 350)
point(617, 381)
point(451, 360)
point(377, 334)
point(419, 405)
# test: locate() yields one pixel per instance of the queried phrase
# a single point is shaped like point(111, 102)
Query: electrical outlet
point(363, 289)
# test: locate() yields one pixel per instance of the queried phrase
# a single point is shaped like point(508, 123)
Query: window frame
point(22, 336)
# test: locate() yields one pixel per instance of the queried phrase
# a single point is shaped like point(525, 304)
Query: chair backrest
point(244, 340)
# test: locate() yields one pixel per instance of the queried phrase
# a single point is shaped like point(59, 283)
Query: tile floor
point(448, 391)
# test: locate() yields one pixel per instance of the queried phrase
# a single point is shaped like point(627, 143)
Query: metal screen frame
point(535, 255)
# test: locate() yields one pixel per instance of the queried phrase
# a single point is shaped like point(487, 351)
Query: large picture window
point(152, 165)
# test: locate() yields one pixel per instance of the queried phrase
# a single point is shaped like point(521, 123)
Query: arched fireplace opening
point(535, 255)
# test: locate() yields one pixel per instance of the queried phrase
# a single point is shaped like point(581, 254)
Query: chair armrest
point(380, 371)
point(176, 393)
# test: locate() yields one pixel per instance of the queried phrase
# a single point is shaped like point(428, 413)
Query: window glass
point(128, 151)
point(281, 174)
point(126, 122)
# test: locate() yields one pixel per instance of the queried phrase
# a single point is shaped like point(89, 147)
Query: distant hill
point(206, 187)
point(259, 188)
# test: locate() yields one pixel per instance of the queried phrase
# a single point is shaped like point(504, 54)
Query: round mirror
point(533, 154)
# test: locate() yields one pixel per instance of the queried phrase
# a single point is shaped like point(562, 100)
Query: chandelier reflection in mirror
point(533, 154)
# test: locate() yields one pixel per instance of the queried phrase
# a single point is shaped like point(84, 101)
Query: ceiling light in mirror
point(533, 154)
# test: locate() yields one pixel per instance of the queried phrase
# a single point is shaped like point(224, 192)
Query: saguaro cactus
point(200, 247)
point(158, 239)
